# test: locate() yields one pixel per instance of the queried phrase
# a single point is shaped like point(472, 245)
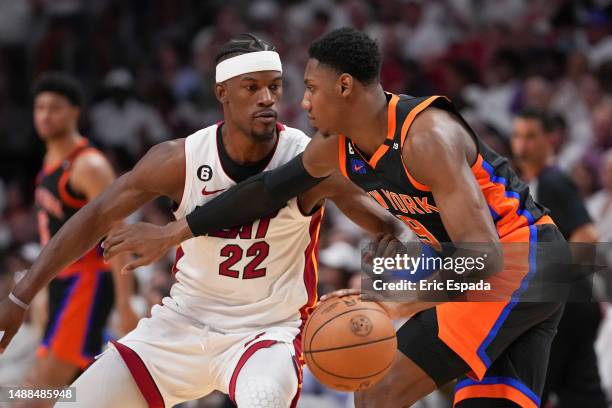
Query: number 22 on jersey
point(256, 253)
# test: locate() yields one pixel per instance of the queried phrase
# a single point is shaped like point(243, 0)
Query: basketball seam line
point(331, 319)
point(350, 346)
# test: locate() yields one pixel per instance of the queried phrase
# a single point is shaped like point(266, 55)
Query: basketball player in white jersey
point(234, 318)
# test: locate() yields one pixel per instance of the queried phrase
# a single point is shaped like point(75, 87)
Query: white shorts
point(174, 358)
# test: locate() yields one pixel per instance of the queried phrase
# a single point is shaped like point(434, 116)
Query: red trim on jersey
point(243, 359)
point(141, 375)
point(298, 372)
point(51, 169)
point(310, 278)
point(68, 199)
point(177, 257)
point(310, 282)
point(62, 186)
point(254, 338)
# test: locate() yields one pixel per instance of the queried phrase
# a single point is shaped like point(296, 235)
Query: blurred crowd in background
point(147, 68)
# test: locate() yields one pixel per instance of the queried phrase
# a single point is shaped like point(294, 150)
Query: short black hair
point(350, 51)
point(242, 44)
point(547, 122)
point(61, 84)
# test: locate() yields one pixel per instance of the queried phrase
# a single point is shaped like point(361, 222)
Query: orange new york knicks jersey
point(385, 177)
point(56, 202)
point(468, 328)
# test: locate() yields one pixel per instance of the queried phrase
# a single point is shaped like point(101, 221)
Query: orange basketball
point(349, 345)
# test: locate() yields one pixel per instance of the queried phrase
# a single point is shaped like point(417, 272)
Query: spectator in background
point(600, 203)
point(493, 102)
point(599, 38)
point(601, 122)
point(124, 125)
point(573, 373)
point(537, 93)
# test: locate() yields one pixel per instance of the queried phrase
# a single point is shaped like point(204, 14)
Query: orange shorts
point(79, 306)
point(497, 349)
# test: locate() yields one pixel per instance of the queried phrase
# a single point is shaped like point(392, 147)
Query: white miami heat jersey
point(257, 275)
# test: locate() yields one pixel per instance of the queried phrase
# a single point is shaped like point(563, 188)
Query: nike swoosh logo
point(204, 192)
point(357, 168)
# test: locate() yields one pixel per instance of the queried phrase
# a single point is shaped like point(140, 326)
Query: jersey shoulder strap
point(408, 107)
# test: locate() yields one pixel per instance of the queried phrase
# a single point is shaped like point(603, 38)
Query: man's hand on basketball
point(11, 317)
point(146, 242)
point(341, 293)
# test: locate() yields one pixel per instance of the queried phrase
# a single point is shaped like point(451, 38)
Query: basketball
point(349, 345)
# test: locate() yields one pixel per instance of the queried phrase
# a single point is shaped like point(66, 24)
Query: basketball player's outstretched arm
point(264, 192)
point(263, 196)
point(159, 172)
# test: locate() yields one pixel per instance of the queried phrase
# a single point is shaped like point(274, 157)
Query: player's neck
point(368, 125)
point(60, 147)
point(242, 148)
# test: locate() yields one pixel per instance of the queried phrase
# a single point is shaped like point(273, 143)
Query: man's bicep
point(464, 210)
point(161, 171)
point(439, 161)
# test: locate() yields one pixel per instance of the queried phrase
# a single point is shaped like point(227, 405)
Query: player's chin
point(45, 134)
point(263, 134)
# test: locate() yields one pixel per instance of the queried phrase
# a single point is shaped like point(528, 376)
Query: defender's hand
point(11, 317)
point(147, 242)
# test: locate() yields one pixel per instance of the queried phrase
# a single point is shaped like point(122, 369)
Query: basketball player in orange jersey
point(81, 295)
point(234, 318)
point(420, 160)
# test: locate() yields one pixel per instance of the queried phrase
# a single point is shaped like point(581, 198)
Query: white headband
point(249, 62)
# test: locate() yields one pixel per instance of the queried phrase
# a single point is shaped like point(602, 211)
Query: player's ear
point(221, 92)
point(345, 81)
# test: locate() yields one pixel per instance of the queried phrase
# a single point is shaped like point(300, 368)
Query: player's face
point(321, 101)
point(252, 101)
point(54, 115)
point(529, 141)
